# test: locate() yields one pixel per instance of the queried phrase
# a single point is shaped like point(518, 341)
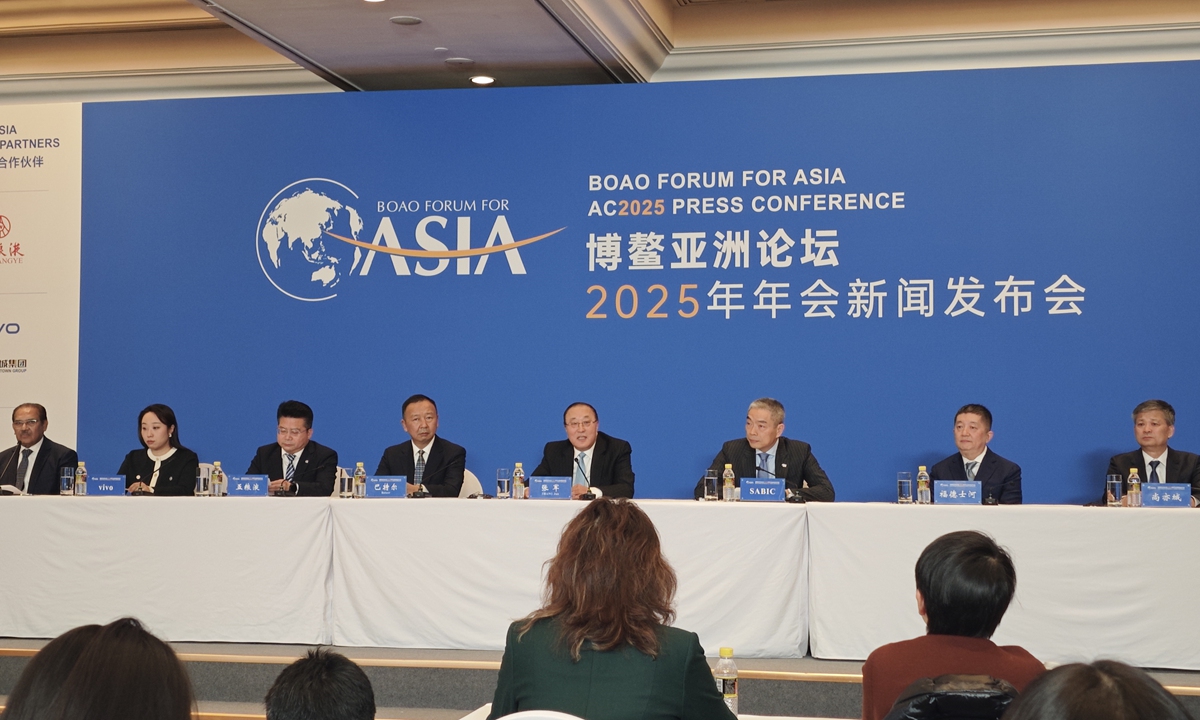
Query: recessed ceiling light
point(441, 49)
point(405, 19)
point(459, 61)
point(374, 0)
point(483, 80)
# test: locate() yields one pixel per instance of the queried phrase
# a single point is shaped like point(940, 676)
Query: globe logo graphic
point(293, 249)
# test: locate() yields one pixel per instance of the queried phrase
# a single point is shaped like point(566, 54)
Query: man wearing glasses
point(35, 463)
point(597, 463)
point(294, 464)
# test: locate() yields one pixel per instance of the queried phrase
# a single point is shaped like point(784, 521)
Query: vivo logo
point(10, 328)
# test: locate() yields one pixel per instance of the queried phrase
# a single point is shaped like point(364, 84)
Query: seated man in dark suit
point(34, 465)
point(1000, 479)
point(596, 462)
point(295, 465)
point(764, 452)
point(429, 462)
point(1153, 426)
point(965, 583)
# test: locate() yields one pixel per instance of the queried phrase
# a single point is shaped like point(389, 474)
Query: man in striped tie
point(1000, 479)
point(294, 464)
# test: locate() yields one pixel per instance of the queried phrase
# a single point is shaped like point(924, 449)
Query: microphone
point(759, 468)
point(589, 495)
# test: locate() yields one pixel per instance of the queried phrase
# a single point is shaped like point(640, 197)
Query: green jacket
point(537, 673)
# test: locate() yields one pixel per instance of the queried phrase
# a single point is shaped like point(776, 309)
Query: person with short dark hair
point(596, 462)
point(163, 466)
point(1154, 426)
point(323, 685)
point(1103, 690)
point(125, 673)
point(35, 464)
point(294, 464)
point(600, 647)
point(43, 678)
point(431, 463)
point(965, 582)
point(1000, 479)
point(764, 452)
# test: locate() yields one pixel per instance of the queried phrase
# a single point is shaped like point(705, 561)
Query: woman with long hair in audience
point(163, 466)
point(600, 647)
point(1103, 690)
point(45, 674)
point(125, 673)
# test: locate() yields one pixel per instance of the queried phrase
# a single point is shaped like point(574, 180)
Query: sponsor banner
point(40, 185)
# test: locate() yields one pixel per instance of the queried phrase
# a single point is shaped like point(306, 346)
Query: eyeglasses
point(577, 425)
point(18, 424)
point(292, 432)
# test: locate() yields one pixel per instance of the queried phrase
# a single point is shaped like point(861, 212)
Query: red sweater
point(892, 668)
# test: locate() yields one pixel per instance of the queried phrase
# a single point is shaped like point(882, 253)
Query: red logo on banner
point(5, 226)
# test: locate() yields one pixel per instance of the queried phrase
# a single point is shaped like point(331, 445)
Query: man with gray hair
point(764, 452)
point(1153, 426)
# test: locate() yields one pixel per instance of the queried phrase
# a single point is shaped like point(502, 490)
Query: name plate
point(762, 489)
point(1156, 495)
point(113, 485)
point(387, 486)
point(957, 492)
point(549, 487)
point(246, 485)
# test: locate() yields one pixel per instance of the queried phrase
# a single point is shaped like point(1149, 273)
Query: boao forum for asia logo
point(310, 241)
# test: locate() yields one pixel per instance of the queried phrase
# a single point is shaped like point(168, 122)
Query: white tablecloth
point(1091, 582)
point(235, 569)
point(445, 573)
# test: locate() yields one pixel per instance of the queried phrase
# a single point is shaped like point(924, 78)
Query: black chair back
point(954, 697)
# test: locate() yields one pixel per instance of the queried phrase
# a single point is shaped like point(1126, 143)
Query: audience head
point(609, 583)
point(125, 673)
point(321, 686)
point(965, 582)
point(764, 423)
point(29, 423)
point(45, 674)
point(1103, 690)
point(157, 429)
point(295, 425)
point(1154, 425)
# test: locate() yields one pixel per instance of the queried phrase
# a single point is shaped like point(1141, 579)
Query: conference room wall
point(1036, 173)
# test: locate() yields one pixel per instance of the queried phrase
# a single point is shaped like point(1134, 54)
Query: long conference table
point(449, 573)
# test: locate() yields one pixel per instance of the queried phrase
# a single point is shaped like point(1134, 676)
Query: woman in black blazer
point(162, 466)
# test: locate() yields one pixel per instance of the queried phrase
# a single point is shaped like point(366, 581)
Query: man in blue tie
point(764, 452)
point(294, 464)
point(596, 462)
point(1154, 426)
point(431, 463)
point(1000, 479)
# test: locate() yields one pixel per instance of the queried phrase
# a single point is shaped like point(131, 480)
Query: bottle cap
point(80, 463)
point(359, 465)
point(519, 465)
point(216, 463)
point(920, 468)
point(726, 652)
point(728, 466)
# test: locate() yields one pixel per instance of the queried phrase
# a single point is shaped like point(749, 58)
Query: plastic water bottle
point(216, 482)
point(727, 483)
point(924, 497)
point(518, 482)
point(360, 481)
point(1134, 492)
point(726, 677)
point(81, 480)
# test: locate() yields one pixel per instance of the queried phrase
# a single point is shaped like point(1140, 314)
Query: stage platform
point(231, 679)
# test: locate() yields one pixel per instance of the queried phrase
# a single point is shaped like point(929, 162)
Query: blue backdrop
point(206, 221)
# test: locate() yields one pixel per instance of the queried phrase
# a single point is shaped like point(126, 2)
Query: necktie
point(22, 467)
point(291, 468)
point(971, 469)
point(763, 471)
point(1154, 470)
point(419, 473)
point(578, 478)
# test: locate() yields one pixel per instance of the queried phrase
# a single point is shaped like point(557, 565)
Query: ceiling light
point(404, 19)
point(441, 49)
point(459, 61)
point(374, 0)
point(483, 80)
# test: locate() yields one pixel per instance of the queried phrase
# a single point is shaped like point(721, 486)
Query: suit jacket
point(611, 470)
point(794, 462)
point(176, 474)
point(47, 467)
point(1182, 467)
point(537, 673)
point(443, 467)
point(315, 473)
point(1000, 478)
